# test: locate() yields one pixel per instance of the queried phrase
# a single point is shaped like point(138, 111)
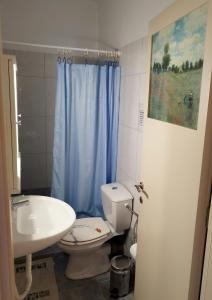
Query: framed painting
point(177, 58)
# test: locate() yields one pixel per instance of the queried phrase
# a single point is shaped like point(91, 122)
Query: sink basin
point(39, 223)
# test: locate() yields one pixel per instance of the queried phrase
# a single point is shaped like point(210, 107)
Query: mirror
point(36, 89)
point(12, 122)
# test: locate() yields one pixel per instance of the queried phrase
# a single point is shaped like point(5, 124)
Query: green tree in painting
point(196, 65)
point(200, 63)
point(166, 57)
point(173, 68)
point(187, 65)
point(183, 67)
point(157, 68)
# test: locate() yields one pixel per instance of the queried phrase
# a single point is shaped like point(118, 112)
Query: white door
point(206, 291)
point(171, 172)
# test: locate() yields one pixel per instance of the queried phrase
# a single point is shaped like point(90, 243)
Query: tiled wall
point(36, 91)
point(36, 101)
point(133, 88)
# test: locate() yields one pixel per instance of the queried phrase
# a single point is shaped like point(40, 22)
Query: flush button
point(114, 188)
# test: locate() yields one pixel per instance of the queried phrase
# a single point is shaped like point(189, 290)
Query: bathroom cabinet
point(12, 122)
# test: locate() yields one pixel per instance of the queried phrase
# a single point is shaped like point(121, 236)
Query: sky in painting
point(185, 37)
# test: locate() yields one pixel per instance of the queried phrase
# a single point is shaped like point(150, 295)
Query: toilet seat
point(86, 231)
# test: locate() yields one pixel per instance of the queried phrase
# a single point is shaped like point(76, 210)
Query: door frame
point(6, 251)
point(208, 181)
point(199, 249)
point(208, 258)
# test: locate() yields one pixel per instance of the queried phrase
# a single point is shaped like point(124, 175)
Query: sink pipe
point(28, 277)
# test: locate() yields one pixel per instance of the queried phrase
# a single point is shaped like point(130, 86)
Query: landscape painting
point(177, 60)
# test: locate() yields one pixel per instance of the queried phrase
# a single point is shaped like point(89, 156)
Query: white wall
point(124, 21)
point(57, 22)
point(78, 23)
point(133, 80)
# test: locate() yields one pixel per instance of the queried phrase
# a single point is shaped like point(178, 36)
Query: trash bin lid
point(121, 262)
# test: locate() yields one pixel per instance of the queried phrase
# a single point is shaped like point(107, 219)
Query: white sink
point(39, 223)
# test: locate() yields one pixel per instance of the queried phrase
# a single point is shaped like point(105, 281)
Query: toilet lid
point(87, 229)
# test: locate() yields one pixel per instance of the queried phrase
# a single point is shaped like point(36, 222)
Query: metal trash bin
point(120, 276)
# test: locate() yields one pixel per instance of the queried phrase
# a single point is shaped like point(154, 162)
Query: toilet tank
point(114, 198)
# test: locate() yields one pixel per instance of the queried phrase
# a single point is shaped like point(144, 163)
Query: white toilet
point(86, 243)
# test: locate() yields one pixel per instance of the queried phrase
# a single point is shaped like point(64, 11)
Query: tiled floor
point(96, 288)
point(87, 289)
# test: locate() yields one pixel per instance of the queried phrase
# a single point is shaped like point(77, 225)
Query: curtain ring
point(59, 59)
point(69, 60)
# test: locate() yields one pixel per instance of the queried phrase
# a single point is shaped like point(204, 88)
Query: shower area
point(69, 109)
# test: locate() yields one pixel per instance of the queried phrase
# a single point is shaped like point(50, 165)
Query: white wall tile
point(127, 151)
point(144, 63)
point(30, 63)
point(50, 92)
point(134, 57)
point(131, 97)
point(34, 173)
point(121, 176)
point(33, 135)
point(144, 87)
point(120, 146)
point(49, 133)
point(31, 96)
point(124, 61)
point(139, 156)
point(121, 106)
point(51, 65)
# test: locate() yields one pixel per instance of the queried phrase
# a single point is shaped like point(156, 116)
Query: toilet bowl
point(88, 256)
point(86, 243)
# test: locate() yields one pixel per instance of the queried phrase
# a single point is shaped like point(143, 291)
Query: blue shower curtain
point(85, 134)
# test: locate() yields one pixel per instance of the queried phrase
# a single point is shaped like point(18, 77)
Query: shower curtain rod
point(114, 53)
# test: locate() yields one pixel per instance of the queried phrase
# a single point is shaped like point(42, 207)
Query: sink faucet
point(18, 203)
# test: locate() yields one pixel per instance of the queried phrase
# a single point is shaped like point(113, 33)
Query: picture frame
point(176, 66)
